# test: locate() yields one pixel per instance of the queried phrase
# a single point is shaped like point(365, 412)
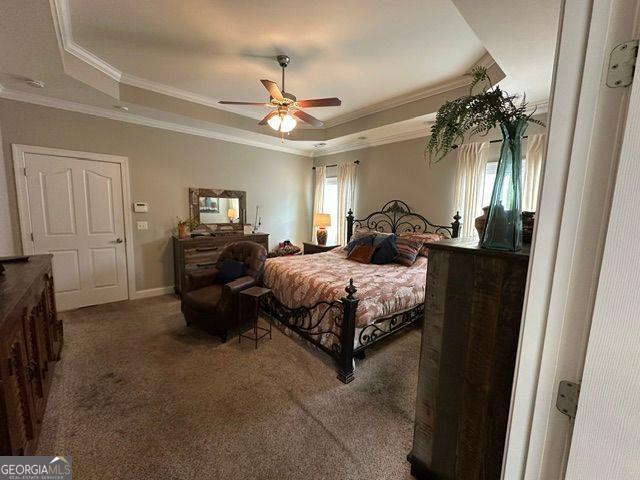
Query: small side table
point(249, 304)
point(310, 248)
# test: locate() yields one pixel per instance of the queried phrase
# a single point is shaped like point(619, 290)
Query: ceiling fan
point(286, 107)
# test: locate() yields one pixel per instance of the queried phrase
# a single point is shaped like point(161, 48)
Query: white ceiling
point(362, 51)
point(373, 54)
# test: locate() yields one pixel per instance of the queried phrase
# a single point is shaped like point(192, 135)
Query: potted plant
point(478, 113)
point(184, 226)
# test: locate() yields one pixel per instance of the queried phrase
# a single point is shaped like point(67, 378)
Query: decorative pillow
point(386, 251)
point(408, 249)
point(381, 237)
point(359, 233)
point(425, 238)
point(361, 253)
point(230, 270)
point(364, 240)
point(284, 251)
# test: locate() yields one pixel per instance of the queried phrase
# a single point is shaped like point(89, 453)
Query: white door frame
point(605, 441)
point(586, 122)
point(24, 213)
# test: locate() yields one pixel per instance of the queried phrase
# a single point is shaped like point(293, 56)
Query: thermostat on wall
point(140, 207)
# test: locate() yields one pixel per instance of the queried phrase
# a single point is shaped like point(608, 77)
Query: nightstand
point(310, 248)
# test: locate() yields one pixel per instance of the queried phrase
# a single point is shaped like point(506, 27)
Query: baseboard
point(153, 292)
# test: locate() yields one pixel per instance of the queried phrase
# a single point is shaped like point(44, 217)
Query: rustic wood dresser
point(30, 344)
point(203, 252)
point(473, 305)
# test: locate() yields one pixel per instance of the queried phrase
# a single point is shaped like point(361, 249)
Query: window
point(330, 206)
point(489, 180)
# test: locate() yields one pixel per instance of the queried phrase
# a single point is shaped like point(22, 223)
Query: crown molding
point(170, 91)
point(62, 21)
point(486, 61)
point(360, 145)
point(140, 120)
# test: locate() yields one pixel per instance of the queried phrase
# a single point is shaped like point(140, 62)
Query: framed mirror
point(220, 210)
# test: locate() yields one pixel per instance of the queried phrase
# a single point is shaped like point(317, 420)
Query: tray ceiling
point(363, 51)
point(392, 62)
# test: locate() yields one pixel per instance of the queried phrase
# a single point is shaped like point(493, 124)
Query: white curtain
point(472, 163)
point(533, 167)
point(318, 196)
point(346, 194)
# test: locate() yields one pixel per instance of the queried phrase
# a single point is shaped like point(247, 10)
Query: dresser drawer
point(202, 254)
point(195, 266)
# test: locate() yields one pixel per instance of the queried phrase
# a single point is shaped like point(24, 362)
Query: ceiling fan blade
point(224, 102)
point(273, 89)
point(267, 117)
point(305, 117)
point(319, 102)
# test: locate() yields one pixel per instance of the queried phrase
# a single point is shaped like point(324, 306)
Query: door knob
point(119, 240)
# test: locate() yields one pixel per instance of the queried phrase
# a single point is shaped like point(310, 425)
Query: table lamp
point(232, 214)
point(322, 221)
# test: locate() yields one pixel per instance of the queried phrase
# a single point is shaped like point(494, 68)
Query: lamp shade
point(322, 220)
point(231, 213)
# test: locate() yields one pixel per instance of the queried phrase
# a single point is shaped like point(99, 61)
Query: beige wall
point(163, 165)
point(6, 231)
point(400, 171)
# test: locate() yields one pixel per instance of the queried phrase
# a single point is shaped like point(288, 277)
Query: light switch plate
point(143, 225)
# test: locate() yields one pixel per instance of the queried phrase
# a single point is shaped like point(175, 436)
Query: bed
point(344, 307)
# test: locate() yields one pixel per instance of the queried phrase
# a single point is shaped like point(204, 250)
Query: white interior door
point(76, 212)
point(606, 436)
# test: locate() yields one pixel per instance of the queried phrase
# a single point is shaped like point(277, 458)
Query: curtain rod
point(357, 162)
point(453, 147)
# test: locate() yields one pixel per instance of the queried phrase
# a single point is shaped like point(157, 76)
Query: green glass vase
point(503, 230)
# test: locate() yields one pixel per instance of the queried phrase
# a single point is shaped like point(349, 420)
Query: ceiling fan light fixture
point(282, 123)
point(288, 123)
point(274, 122)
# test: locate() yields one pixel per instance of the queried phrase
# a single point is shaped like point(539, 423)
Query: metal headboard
point(396, 217)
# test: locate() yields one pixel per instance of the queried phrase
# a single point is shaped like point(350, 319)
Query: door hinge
point(567, 399)
point(24, 170)
point(32, 236)
point(622, 64)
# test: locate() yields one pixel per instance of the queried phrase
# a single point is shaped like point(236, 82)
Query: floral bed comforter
point(383, 290)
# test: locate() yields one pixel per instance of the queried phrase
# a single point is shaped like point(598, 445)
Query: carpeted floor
point(138, 395)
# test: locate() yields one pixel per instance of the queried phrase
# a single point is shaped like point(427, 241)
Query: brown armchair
point(214, 305)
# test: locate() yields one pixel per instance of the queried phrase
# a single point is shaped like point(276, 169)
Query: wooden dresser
point(203, 252)
point(473, 306)
point(30, 344)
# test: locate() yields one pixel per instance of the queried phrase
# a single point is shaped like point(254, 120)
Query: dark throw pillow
point(386, 251)
point(359, 233)
point(368, 240)
point(230, 270)
point(361, 253)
